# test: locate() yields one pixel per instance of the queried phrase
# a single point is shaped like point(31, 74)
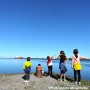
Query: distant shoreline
point(40, 58)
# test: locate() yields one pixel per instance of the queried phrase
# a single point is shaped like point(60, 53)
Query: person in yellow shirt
point(27, 69)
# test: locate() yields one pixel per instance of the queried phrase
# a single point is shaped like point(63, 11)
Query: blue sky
point(38, 28)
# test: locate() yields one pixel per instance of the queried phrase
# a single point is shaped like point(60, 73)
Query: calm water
point(16, 66)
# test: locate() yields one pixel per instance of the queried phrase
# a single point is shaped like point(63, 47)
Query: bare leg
point(61, 76)
point(64, 77)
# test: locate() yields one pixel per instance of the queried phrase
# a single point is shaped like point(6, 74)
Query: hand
point(53, 56)
point(67, 59)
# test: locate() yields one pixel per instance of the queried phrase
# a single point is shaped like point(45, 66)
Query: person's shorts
point(62, 72)
point(27, 70)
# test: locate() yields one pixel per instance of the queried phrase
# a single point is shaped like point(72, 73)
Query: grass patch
point(85, 82)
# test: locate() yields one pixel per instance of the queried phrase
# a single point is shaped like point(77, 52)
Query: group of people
point(76, 65)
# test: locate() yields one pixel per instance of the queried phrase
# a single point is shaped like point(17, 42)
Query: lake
point(11, 66)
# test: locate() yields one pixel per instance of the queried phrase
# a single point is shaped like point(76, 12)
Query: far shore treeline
point(38, 58)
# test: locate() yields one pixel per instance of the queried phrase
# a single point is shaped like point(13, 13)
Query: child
point(49, 64)
point(62, 65)
point(27, 68)
point(76, 65)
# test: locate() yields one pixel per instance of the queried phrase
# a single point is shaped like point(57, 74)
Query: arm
point(30, 64)
point(82, 57)
point(58, 57)
point(53, 56)
point(72, 62)
point(67, 58)
point(24, 66)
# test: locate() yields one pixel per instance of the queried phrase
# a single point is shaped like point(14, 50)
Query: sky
point(38, 28)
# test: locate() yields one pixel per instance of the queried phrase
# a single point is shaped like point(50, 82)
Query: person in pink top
point(49, 64)
point(76, 65)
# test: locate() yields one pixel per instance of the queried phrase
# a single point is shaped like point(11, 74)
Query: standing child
point(76, 65)
point(27, 68)
point(62, 65)
point(49, 64)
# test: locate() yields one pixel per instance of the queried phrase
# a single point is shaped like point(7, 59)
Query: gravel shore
point(15, 82)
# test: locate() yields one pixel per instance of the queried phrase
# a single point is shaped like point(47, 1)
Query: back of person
point(27, 68)
point(49, 62)
point(76, 59)
point(77, 66)
point(62, 58)
point(62, 65)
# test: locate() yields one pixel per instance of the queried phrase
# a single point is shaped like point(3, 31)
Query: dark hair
point(28, 58)
point(39, 64)
point(48, 57)
point(62, 55)
point(62, 52)
point(75, 52)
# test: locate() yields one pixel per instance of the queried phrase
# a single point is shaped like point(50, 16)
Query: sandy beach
point(15, 82)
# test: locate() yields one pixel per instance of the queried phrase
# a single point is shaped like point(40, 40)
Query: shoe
point(79, 83)
point(76, 82)
point(26, 81)
point(64, 79)
point(60, 80)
